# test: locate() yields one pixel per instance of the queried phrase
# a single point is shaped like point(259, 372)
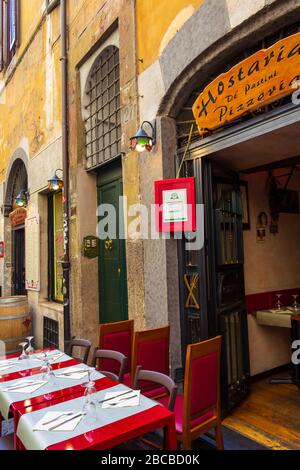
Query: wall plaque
point(261, 79)
point(90, 247)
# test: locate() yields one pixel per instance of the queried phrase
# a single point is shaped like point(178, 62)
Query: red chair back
point(202, 380)
point(151, 350)
point(116, 337)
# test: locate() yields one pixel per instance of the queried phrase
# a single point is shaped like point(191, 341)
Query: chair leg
point(187, 443)
point(219, 437)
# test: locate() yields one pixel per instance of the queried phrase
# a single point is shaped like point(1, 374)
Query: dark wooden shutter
point(12, 25)
point(11, 35)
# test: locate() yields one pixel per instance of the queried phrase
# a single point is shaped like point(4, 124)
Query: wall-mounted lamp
point(55, 183)
point(22, 198)
point(142, 141)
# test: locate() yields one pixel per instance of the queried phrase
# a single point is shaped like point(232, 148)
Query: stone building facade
point(161, 53)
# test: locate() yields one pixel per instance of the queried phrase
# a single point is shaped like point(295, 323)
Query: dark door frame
point(208, 320)
point(18, 277)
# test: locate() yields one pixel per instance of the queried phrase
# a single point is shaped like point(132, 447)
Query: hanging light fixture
point(142, 141)
point(55, 183)
point(22, 198)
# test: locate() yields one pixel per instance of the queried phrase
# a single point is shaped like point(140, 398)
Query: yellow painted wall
point(29, 19)
point(157, 23)
point(30, 104)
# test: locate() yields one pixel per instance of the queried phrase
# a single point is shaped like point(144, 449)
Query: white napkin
point(122, 401)
point(8, 366)
point(74, 374)
point(50, 357)
point(8, 362)
point(61, 418)
point(30, 388)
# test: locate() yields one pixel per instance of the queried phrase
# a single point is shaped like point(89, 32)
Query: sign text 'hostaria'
point(261, 79)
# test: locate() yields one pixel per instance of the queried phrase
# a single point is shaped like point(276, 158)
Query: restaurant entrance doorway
point(252, 225)
point(225, 270)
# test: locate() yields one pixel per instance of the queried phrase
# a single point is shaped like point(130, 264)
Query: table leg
point(295, 378)
point(170, 442)
point(295, 337)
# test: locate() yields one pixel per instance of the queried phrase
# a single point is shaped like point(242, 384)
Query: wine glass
point(46, 369)
point(295, 305)
point(90, 407)
point(30, 348)
point(278, 304)
point(24, 354)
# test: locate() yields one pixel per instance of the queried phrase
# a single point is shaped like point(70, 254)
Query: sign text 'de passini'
point(261, 79)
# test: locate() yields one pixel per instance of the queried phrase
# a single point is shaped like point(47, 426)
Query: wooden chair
point(84, 344)
point(160, 379)
point(117, 357)
point(151, 352)
point(199, 409)
point(116, 337)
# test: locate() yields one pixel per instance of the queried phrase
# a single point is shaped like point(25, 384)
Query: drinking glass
point(24, 354)
point(295, 305)
point(278, 304)
point(46, 369)
point(90, 407)
point(30, 348)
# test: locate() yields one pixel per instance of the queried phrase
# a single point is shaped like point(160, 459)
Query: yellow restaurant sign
point(261, 79)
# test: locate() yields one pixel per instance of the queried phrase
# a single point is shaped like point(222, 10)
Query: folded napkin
point(123, 401)
point(55, 421)
point(50, 357)
point(8, 366)
point(27, 388)
point(9, 362)
point(75, 374)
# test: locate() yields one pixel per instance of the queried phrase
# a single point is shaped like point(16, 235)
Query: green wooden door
point(112, 254)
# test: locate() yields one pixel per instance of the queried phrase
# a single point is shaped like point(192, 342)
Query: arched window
point(103, 115)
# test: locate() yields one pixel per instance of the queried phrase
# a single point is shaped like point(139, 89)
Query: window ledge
point(50, 305)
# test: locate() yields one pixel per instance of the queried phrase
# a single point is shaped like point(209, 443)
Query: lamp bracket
point(153, 128)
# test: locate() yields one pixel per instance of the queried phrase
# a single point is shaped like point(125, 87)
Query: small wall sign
point(18, 216)
point(1, 249)
point(90, 247)
point(175, 205)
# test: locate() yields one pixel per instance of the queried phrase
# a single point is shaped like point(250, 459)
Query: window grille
point(51, 336)
point(103, 123)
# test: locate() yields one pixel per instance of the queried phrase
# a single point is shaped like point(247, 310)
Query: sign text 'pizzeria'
point(259, 80)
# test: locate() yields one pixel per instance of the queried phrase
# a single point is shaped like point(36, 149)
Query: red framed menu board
point(175, 205)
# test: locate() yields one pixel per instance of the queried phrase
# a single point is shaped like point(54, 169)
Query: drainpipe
point(65, 155)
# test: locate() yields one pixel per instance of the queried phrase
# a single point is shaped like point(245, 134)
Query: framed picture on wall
point(245, 204)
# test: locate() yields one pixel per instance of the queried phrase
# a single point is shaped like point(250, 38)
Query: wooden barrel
point(15, 322)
